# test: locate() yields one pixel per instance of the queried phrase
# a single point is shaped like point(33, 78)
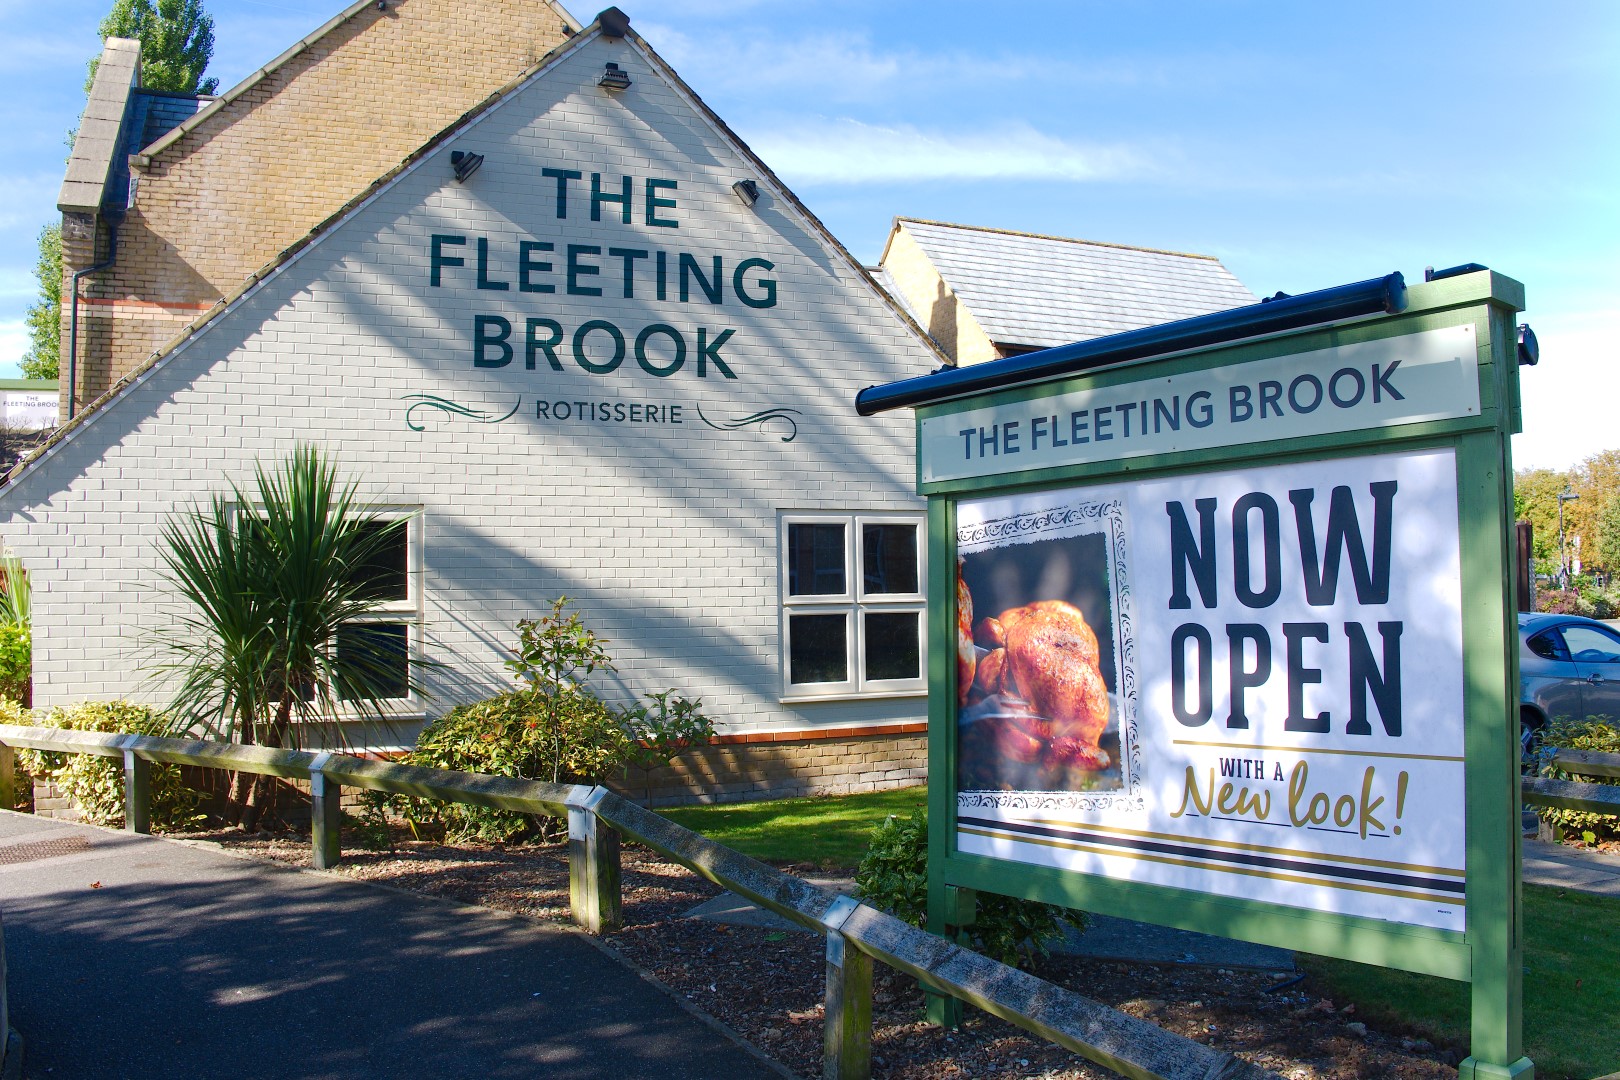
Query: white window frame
point(854, 603)
point(409, 612)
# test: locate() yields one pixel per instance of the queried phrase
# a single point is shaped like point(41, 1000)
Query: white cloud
point(13, 343)
point(28, 199)
point(847, 67)
point(34, 52)
point(845, 151)
point(17, 282)
point(1569, 398)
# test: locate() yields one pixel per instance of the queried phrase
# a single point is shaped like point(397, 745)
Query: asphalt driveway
point(135, 957)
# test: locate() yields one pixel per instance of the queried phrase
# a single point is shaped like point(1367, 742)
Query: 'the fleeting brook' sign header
point(1424, 376)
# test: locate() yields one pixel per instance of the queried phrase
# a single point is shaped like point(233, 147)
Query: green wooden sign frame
point(1488, 953)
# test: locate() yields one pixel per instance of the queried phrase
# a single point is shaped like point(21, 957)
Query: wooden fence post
point(847, 1019)
point(8, 777)
point(325, 815)
point(137, 793)
point(594, 895)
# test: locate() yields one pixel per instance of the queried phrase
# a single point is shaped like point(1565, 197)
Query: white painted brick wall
point(666, 535)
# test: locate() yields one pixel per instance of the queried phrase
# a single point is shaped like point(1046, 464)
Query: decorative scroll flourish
point(1046, 800)
point(759, 418)
point(450, 408)
point(1026, 527)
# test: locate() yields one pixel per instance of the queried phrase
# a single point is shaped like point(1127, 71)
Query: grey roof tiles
point(1043, 291)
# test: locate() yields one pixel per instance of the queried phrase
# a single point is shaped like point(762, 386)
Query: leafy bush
point(16, 638)
point(1605, 603)
point(894, 876)
point(16, 662)
point(1564, 602)
point(554, 729)
point(519, 734)
point(97, 783)
point(1594, 733)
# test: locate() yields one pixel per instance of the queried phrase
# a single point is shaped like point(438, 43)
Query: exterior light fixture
point(465, 163)
point(747, 192)
point(614, 78)
point(1529, 347)
point(614, 23)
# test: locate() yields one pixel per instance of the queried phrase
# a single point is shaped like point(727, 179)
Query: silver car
point(1569, 666)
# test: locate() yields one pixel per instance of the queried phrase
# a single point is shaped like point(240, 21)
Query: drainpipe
point(73, 321)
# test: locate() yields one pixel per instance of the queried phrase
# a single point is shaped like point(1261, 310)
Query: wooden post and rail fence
point(855, 933)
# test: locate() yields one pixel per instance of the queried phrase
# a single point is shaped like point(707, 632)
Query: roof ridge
point(1061, 239)
point(377, 186)
point(308, 41)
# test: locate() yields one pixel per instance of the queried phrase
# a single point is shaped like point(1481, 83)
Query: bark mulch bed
point(766, 985)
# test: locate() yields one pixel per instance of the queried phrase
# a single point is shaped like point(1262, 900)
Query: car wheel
point(1530, 732)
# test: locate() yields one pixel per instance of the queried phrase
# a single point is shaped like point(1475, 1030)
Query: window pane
point(383, 575)
point(893, 645)
point(816, 560)
point(1589, 645)
point(889, 557)
point(1545, 645)
point(377, 654)
point(818, 649)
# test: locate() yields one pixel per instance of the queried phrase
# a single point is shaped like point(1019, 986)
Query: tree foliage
point(177, 41)
point(44, 318)
point(1594, 517)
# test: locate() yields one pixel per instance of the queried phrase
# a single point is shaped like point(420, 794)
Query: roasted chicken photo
point(1031, 686)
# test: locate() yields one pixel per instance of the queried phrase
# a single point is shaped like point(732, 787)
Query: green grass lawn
point(1572, 940)
point(828, 832)
point(1571, 988)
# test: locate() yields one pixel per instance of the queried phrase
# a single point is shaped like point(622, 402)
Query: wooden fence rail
point(1577, 794)
point(855, 933)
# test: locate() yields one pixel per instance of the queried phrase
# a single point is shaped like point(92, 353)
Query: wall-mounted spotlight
point(465, 163)
point(1529, 347)
point(747, 192)
point(614, 23)
point(614, 78)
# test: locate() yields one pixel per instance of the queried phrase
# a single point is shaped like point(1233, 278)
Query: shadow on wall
point(942, 320)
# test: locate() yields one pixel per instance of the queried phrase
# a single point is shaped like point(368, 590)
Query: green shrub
point(1594, 733)
point(554, 729)
point(16, 662)
point(96, 784)
point(894, 876)
point(1564, 602)
point(520, 734)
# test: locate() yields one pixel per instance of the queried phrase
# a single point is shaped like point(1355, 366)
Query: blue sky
point(1306, 145)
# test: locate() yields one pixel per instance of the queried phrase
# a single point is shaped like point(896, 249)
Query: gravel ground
point(766, 985)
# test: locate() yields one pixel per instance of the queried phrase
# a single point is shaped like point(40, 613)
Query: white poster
point(1245, 683)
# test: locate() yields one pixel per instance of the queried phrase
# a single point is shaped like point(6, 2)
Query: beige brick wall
point(732, 772)
point(259, 174)
point(937, 307)
point(51, 801)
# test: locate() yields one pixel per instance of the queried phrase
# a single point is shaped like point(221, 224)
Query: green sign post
point(1222, 634)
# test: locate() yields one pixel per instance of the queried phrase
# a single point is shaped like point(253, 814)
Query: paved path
point(136, 957)
point(1583, 871)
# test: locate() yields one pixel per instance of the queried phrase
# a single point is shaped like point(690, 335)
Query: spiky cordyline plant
point(270, 580)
